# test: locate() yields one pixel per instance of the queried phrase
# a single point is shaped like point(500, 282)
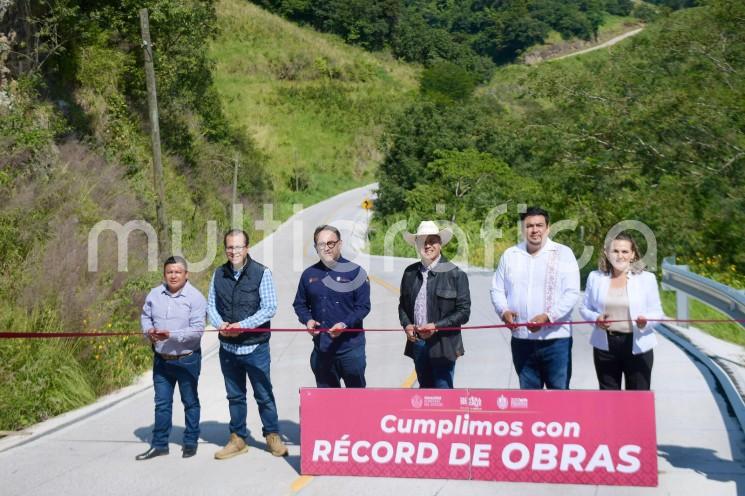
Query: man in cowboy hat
point(435, 300)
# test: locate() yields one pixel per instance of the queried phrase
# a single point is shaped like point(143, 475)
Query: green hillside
point(315, 107)
point(651, 130)
point(301, 113)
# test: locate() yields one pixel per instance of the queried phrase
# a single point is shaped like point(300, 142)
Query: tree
point(445, 81)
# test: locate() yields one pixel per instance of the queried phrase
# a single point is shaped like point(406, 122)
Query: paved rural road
point(606, 44)
point(91, 451)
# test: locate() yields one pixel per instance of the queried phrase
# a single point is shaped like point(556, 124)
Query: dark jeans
point(332, 368)
point(166, 373)
point(235, 368)
point(434, 373)
point(619, 361)
point(541, 363)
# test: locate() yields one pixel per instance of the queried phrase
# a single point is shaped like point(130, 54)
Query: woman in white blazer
point(621, 297)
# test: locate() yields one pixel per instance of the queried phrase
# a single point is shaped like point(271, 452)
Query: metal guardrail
point(685, 283)
point(727, 300)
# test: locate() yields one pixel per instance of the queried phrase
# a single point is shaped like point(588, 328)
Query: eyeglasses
point(330, 245)
point(234, 249)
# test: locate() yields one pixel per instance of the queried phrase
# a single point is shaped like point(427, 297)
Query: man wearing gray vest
point(242, 296)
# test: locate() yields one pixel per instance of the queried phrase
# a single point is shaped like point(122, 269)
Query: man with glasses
point(334, 294)
point(435, 301)
point(242, 296)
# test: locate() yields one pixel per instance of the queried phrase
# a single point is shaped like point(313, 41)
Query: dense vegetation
point(651, 130)
point(236, 85)
point(475, 34)
point(76, 151)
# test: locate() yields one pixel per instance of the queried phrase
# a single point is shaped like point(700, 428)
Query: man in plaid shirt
point(242, 296)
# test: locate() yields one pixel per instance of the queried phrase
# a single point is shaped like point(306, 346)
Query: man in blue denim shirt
point(173, 321)
point(334, 294)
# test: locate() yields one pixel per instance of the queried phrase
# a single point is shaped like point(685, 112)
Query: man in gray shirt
point(173, 321)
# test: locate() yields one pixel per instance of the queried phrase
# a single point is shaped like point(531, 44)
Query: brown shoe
point(274, 444)
point(235, 446)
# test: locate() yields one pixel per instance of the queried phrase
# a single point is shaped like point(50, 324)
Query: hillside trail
point(606, 44)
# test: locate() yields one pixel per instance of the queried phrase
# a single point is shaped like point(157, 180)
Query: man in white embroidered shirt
point(537, 282)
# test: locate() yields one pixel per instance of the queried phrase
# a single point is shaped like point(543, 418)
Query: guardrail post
point(681, 307)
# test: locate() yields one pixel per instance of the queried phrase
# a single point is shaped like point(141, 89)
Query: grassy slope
point(315, 106)
point(734, 333)
point(312, 103)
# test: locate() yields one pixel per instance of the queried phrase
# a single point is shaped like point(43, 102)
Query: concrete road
point(91, 451)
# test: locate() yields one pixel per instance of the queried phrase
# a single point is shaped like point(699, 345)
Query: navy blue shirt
point(330, 296)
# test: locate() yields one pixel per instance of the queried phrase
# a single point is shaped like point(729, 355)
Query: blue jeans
point(331, 368)
point(541, 363)
point(432, 373)
point(256, 366)
point(166, 373)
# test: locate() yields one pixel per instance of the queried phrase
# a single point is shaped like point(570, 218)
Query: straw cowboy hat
point(427, 228)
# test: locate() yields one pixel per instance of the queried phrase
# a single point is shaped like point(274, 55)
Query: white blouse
point(644, 300)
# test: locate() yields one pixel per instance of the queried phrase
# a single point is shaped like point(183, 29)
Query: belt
point(618, 334)
point(164, 356)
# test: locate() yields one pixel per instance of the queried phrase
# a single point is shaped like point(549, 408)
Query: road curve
point(700, 446)
point(605, 44)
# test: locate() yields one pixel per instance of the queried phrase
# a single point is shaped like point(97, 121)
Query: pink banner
point(568, 437)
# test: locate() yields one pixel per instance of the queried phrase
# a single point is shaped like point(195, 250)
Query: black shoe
point(188, 451)
point(152, 453)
